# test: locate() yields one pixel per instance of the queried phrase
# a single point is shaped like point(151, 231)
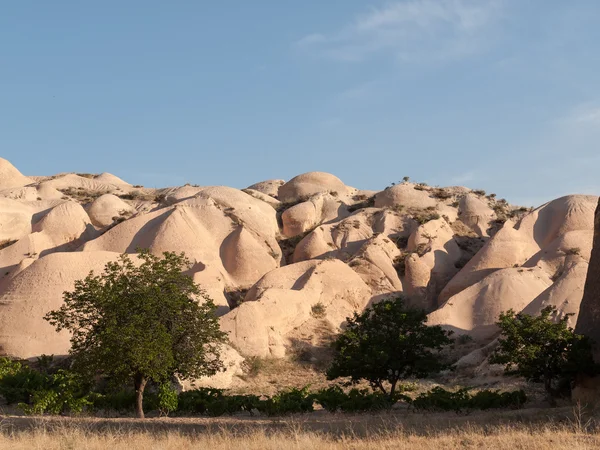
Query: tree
point(387, 343)
point(542, 350)
point(141, 322)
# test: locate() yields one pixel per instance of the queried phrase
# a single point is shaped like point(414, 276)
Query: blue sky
point(492, 94)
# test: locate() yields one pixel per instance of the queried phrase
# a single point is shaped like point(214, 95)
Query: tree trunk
point(392, 390)
point(550, 393)
point(140, 384)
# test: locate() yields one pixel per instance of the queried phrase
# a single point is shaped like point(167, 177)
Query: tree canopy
point(141, 322)
point(542, 349)
point(387, 343)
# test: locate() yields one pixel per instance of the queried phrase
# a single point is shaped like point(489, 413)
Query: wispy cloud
point(584, 117)
point(410, 29)
point(587, 115)
point(359, 91)
point(464, 178)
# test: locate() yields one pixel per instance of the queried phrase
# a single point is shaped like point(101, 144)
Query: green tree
point(141, 322)
point(542, 350)
point(388, 343)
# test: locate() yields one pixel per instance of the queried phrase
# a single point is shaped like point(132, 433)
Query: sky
point(500, 95)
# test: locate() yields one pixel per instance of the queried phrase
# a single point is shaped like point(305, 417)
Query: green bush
point(64, 393)
point(214, 403)
point(19, 382)
point(288, 402)
point(168, 399)
point(439, 399)
point(334, 399)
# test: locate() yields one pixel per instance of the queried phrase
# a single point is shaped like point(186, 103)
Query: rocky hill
point(288, 261)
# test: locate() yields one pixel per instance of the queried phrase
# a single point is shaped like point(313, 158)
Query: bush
point(334, 399)
point(318, 310)
point(287, 402)
point(64, 393)
point(39, 392)
point(19, 382)
point(214, 403)
point(167, 399)
point(439, 399)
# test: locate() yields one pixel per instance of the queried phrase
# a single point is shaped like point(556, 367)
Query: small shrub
point(255, 364)
point(479, 192)
point(6, 243)
point(574, 251)
point(400, 263)
point(367, 203)
point(288, 402)
point(441, 194)
point(425, 216)
point(168, 399)
point(318, 310)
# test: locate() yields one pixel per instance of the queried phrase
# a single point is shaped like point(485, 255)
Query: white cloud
point(588, 116)
point(411, 29)
point(587, 113)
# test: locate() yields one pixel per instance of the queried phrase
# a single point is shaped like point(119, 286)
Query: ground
point(534, 428)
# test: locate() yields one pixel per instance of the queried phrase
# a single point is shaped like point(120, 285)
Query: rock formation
point(289, 260)
point(588, 321)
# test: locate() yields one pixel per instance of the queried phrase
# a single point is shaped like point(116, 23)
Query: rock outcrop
point(588, 321)
point(289, 261)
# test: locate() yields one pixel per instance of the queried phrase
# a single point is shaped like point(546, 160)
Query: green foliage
point(39, 391)
point(167, 399)
point(62, 392)
point(121, 401)
point(387, 343)
point(214, 402)
point(287, 402)
point(542, 350)
point(142, 322)
point(18, 382)
point(335, 399)
point(8, 366)
point(439, 399)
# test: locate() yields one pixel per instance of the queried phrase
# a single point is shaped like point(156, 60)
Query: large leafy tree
point(387, 343)
point(141, 322)
point(542, 350)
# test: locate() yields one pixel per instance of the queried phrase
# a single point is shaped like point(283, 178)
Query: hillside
point(287, 261)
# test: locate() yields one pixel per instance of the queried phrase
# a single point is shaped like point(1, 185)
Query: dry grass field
point(560, 428)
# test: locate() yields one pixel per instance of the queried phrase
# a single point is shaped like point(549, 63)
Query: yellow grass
point(506, 437)
point(534, 429)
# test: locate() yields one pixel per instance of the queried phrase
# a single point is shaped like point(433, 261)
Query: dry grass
point(533, 430)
